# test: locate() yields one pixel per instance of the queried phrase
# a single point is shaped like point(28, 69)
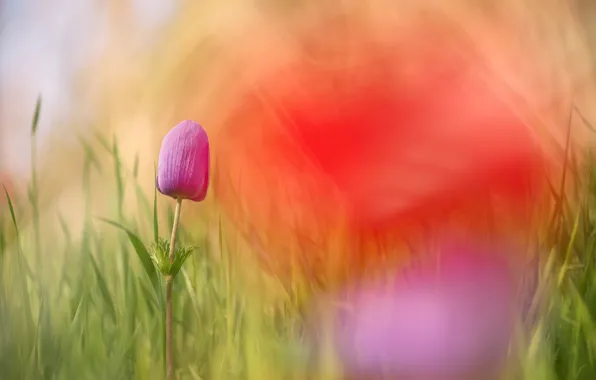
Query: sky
point(42, 46)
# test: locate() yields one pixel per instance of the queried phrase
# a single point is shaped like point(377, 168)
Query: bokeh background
point(110, 78)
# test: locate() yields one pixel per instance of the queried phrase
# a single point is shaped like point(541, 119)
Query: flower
point(183, 168)
point(401, 134)
point(448, 318)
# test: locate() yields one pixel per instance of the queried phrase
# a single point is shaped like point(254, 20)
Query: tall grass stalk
point(33, 190)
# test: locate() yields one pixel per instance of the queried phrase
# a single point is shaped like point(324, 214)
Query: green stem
point(169, 284)
point(35, 203)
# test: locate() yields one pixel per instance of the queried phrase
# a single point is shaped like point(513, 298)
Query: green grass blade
point(35, 121)
point(119, 178)
point(65, 230)
point(135, 168)
point(565, 266)
point(142, 253)
point(12, 213)
point(90, 154)
point(2, 241)
point(103, 289)
point(21, 262)
point(102, 141)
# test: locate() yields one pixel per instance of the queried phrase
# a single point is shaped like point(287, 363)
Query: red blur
point(394, 136)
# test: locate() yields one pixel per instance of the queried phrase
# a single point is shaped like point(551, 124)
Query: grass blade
point(35, 121)
point(12, 214)
point(142, 253)
point(119, 179)
point(103, 289)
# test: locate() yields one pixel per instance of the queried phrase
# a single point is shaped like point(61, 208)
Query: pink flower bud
point(183, 168)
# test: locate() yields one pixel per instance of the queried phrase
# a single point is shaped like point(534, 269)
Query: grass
point(91, 305)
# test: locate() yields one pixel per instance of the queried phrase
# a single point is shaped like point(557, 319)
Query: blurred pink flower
point(449, 317)
point(183, 168)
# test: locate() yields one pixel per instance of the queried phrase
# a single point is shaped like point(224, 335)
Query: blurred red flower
point(394, 136)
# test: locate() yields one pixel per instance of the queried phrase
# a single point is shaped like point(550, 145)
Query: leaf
point(21, 261)
point(65, 229)
point(159, 254)
point(583, 118)
point(119, 178)
point(152, 302)
point(103, 289)
point(90, 154)
point(182, 254)
point(565, 266)
point(2, 241)
point(135, 169)
point(142, 253)
point(102, 141)
point(12, 214)
point(35, 122)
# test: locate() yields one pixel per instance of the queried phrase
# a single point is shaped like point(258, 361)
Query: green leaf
point(103, 289)
point(119, 178)
point(35, 122)
point(142, 253)
point(22, 262)
point(102, 141)
point(90, 154)
point(2, 241)
point(135, 168)
point(182, 254)
point(12, 214)
point(160, 255)
point(65, 229)
point(159, 251)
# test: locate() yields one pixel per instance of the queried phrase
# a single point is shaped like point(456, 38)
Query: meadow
point(90, 305)
point(80, 294)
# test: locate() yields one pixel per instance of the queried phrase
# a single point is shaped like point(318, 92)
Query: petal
point(157, 184)
point(182, 160)
point(202, 165)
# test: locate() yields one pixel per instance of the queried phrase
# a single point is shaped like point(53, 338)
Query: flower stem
point(169, 284)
